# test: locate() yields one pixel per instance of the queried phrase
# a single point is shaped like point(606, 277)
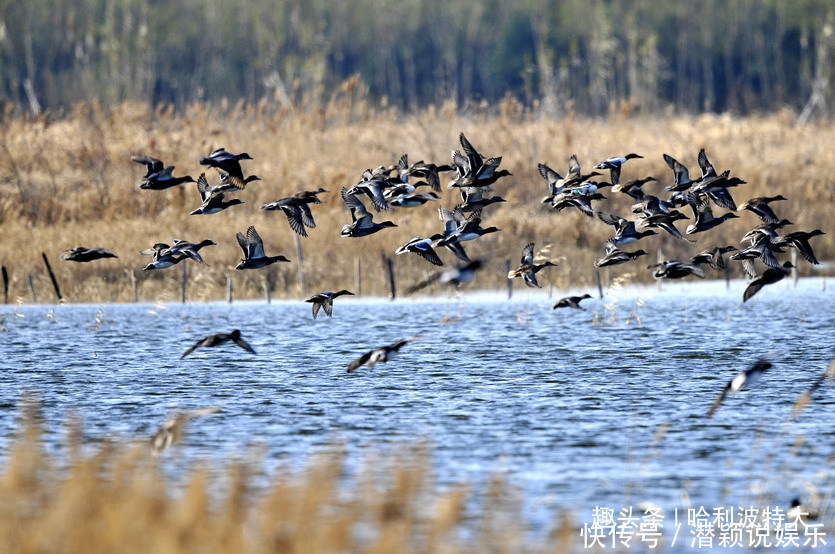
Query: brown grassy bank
point(68, 182)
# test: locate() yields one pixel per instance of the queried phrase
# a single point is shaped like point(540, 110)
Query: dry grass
point(70, 182)
point(117, 499)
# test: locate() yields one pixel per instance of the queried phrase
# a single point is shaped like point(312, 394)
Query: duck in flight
point(81, 254)
point(379, 355)
point(253, 249)
point(212, 198)
point(571, 302)
point(324, 300)
point(157, 176)
point(219, 339)
point(362, 223)
point(746, 377)
point(528, 269)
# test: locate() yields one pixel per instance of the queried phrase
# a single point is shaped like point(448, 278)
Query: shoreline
point(701, 288)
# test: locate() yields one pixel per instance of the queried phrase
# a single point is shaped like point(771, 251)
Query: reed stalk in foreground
point(118, 499)
point(69, 181)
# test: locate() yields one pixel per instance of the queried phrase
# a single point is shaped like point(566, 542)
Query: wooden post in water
point(184, 282)
point(388, 263)
point(509, 281)
point(5, 285)
point(794, 269)
point(302, 287)
point(52, 277)
point(357, 276)
point(31, 285)
point(229, 289)
point(267, 287)
point(133, 285)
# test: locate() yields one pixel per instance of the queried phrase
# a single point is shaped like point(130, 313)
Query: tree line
point(587, 56)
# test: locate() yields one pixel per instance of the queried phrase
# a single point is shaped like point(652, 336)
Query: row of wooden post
point(388, 266)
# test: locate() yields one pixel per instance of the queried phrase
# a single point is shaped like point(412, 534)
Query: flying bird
point(379, 355)
point(81, 254)
point(746, 377)
point(571, 302)
point(324, 300)
point(217, 340)
point(253, 249)
point(171, 431)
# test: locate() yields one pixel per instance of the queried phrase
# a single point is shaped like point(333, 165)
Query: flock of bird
point(473, 175)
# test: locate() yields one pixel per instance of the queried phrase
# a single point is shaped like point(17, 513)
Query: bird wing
point(356, 364)
point(203, 187)
point(243, 344)
point(354, 204)
point(527, 254)
point(154, 165)
point(704, 163)
point(718, 401)
point(193, 348)
point(573, 168)
point(753, 287)
point(254, 242)
point(294, 218)
point(243, 244)
point(680, 172)
point(307, 215)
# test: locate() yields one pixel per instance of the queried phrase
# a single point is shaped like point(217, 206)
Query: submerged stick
point(302, 286)
point(184, 282)
point(5, 285)
point(52, 277)
point(509, 280)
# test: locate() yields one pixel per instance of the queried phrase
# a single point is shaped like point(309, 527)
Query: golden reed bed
point(69, 181)
point(116, 498)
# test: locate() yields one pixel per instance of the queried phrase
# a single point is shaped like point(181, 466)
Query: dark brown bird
point(571, 302)
point(81, 254)
point(768, 277)
point(217, 340)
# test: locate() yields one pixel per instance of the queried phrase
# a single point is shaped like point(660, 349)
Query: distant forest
point(586, 56)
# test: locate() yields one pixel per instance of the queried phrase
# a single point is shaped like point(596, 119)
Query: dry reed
point(117, 498)
point(69, 182)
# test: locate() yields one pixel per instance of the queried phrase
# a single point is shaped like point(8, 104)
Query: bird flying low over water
point(676, 270)
point(423, 248)
point(81, 254)
point(455, 276)
point(217, 340)
point(571, 302)
point(744, 378)
point(190, 249)
point(171, 431)
point(528, 269)
point(379, 355)
point(616, 256)
point(324, 300)
point(768, 277)
point(253, 249)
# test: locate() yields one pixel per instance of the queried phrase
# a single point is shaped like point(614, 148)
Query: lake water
point(567, 403)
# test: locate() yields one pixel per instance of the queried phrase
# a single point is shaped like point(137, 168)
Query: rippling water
point(566, 402)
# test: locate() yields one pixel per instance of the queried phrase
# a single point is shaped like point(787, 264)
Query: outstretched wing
point(256, 245)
